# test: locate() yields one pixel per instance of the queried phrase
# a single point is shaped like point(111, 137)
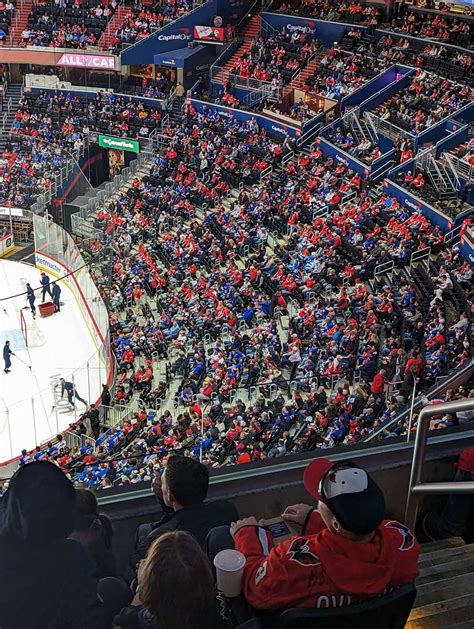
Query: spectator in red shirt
point(346, 551)
point(378, 383)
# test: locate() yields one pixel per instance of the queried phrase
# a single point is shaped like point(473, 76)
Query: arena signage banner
point(177, 34)
point(329, 150)
point(417, 205)
point(77, 60)
point(210, 33)
point(273, 128)
point(325, 32)
point(122, 144)
point(10, 211)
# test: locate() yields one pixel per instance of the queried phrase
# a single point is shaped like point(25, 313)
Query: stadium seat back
point(390, 612)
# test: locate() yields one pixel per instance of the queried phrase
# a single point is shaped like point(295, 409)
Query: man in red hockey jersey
point(346, 550)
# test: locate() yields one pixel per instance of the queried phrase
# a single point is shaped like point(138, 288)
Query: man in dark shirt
point(181, 490)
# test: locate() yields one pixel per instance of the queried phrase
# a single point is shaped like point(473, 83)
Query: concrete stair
point(20, 20)
point(220, 77)
point(249, 32)
point(114, 23)
point(251, 28)
point(445, 586)
point(13, 92)
point(306, 72)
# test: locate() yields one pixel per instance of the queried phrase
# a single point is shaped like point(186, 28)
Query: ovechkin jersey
point(320, 569)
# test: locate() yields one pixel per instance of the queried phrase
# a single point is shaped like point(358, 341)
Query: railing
point(246, 83)
point(80, 220)
point(424, 158)
point(254, 97)
point(265, 173)
point(309, 135)
point(386, 128)
point(382, 171)
point(114, 415)
point(354, 123)
point(387, 268)
point(439, 184)
point(461, 167)
point(374, 136)
point(417, 487)
point(461, 375)
point(194, 90)
point(287, 158)
point(267, 29)
point(422, 256)
point(453, 237)
point(452, 175)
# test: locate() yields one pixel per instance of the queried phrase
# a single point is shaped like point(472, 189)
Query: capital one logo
point(280, 130)
point(342, 160)
point(302, 29)
point(181, 34)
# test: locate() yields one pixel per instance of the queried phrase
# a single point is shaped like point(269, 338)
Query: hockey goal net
point(32, 334)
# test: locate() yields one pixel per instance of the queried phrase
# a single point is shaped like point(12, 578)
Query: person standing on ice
point(56, 297)
point(45, 287)
point(30, 296)
point(7, 352)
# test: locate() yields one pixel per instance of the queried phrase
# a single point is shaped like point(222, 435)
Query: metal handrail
point(387, 128)
point(416, 486)
point(463, 371)
point(421, 255)
point(460, 166)
point(452, 236)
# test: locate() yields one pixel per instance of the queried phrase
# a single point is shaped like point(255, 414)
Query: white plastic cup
point(229, 566)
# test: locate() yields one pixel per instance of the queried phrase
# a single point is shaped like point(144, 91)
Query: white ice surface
point(67, 350)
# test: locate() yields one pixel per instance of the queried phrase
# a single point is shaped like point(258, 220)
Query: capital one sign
point(77, 60)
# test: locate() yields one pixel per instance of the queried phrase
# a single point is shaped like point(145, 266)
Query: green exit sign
point(122, 144)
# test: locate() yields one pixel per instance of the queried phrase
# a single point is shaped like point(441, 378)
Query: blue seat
point(388, 612)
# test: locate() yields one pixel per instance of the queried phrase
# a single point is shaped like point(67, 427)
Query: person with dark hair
point(31, 298)
point(175, 589)
point(56, 294)
point(45, 289)
point(181, 489)
point(7, 352)
point(346, 551)
point(47, 579)
point(94, 531)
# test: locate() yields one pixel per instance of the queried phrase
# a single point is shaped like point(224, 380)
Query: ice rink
point(59, 345)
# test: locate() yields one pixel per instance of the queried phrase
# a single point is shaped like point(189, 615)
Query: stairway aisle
point(306, 72)
point(445, 587)
point(115, 21)
point(249, 32)
point(20, 20)
point(13, 93)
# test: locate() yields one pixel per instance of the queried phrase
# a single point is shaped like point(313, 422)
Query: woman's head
point(176, 570)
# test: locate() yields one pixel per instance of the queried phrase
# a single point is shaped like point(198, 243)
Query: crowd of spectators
point(142, 19)
point(426, 25)
point(339, 74)
point(28, 169)
point(67, 24)
point(51, 126)
point(275, 59)
point(427, 99)
point(6, 14)
point(331, 10)
point(222, 279)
